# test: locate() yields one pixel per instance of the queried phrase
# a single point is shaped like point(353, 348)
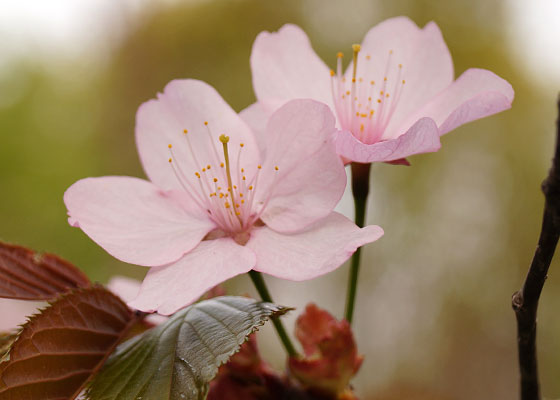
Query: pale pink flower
point(14, 313)
point(218, 206)
point(396, 98)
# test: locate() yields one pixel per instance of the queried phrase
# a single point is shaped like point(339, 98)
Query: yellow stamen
point(185, 131)
point(339, 55)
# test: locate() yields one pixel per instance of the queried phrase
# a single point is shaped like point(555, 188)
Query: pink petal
point(256, 116)
point(167, 289)
point(311, 177)
point(422, 137)
point(428, 71)
point(187, 104)
point(15, 313)
point(285, 67)
point(399, 34)
point(127, 289)
point(307, 255)
point(477, 93)
point(135, 221)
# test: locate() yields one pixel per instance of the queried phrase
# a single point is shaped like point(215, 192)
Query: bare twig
point(526, 300)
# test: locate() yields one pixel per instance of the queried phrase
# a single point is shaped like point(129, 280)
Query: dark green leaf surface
point(178, 359)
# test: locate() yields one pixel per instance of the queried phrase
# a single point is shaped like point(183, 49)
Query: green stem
point(259, 283)
point(360, 191)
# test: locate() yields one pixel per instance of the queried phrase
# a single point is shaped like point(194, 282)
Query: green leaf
point(177, 360)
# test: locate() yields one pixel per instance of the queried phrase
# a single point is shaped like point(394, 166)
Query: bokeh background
point(433, 315)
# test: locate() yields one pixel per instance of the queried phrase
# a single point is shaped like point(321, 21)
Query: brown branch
point(526, 300)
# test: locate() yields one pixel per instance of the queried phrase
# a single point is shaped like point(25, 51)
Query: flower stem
point(360, 191)
point(259, 283)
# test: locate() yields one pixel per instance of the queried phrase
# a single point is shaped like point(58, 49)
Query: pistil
point(225, 139)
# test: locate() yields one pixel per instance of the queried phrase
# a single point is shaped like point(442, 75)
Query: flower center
point(365, 106)
point(221, 187)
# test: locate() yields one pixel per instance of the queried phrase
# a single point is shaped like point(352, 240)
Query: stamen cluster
point(364, 106)
point(222, 187)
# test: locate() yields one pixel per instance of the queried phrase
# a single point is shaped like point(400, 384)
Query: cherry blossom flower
point(16, 312)
point(395, 99)
point(218, 202)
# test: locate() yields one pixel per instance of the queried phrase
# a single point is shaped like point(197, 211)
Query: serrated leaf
point(177, 360)
point(26, 275)
point(60, 348)
point(7, 339)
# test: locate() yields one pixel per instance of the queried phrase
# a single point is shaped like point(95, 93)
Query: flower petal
point(285, 67)
point(422, 137)
point(320, 249)
point(477, 93)
point(311, 177)
point(428, 71)
point(135, 221)
point(188, 104)
point(256, 116)
point(171, 287)
point(399, 34)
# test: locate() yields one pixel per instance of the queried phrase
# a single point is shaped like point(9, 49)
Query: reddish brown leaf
point(332, 357)
point(27, 275)
point(60, 348)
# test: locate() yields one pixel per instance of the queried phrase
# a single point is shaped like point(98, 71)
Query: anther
point(332, 72)
point(206, 123)
point(185, 131)
point(276, 168)
point(241, 144)
point(170, 160)
point(215, 180)
point(169, 146)
point(339, 55)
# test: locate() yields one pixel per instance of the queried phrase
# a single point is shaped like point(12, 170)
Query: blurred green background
point(433, 315)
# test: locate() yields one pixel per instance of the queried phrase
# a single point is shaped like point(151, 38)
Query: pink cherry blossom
point(16, 312)
point(395, 99)
point(220, 203)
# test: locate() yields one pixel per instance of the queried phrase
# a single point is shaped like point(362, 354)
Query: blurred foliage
point(461, 224)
